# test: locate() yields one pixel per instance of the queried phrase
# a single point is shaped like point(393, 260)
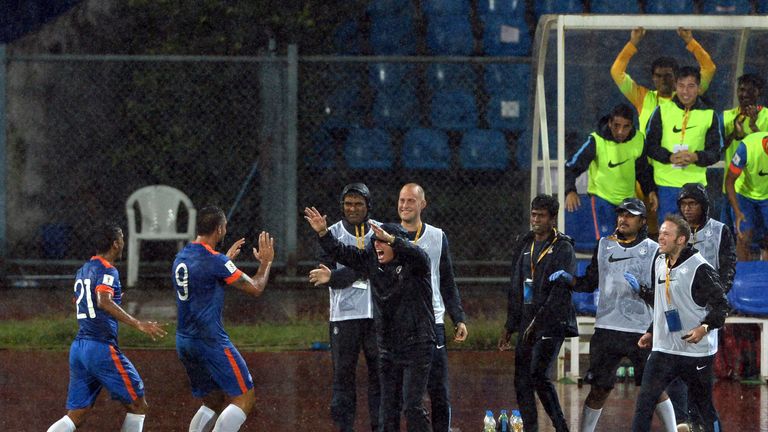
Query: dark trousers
point(660, 370)
point(405, 371)
point(348, 338)
point(532, 366)
point(438, 383)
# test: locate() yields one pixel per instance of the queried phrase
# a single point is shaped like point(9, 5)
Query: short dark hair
point(546, 202)
point(209, 218)
point(689, 71)
point(754, 79)
point(665, 62)
point(624, 111)
point(104, 235)
point(683, 229)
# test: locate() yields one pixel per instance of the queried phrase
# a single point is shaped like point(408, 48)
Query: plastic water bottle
point(489, 424)
point(516, 422)
point(503, 424)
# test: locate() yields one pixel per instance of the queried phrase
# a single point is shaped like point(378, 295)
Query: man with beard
point(540, 311)
point(622, 315)
point(405, 323)
point(688, 302)
point(351, 326)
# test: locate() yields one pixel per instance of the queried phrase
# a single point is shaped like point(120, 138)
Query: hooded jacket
point(726, 266)
point(551, 308)
point(402, 290)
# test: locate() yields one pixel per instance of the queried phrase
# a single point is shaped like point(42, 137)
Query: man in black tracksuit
point(400, 279)
point(540, 311)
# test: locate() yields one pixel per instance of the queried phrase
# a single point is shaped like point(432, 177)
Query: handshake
point(571, 280)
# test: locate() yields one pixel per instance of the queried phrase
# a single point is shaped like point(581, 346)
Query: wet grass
point(57, 334)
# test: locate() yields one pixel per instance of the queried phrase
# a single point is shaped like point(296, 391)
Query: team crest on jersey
point(230, 266)
point(335, 330)
point(684, 270)
point(108, 280)
point(708, 232)
point(398, 270)
point(736, 159)
point(643, 250)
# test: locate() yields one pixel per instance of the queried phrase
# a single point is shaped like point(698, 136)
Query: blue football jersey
point(94, 276)
point(199, 277)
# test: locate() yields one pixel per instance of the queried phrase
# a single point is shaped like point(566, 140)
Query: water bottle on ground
point(503, 424)
point(489, 424)
point(516, 422)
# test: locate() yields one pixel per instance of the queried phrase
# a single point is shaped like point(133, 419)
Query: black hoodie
point(727, 252)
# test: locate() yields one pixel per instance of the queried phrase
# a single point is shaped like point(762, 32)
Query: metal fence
point(262, 137)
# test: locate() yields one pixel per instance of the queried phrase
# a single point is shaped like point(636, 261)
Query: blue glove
point(633, 283)
point(561, 274)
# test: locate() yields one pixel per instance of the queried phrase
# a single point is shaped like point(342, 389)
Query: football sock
point(64, 424)
point(203, 420)
point(133, 423)
point(589, 418)
point(666, 414)
point(230, 419)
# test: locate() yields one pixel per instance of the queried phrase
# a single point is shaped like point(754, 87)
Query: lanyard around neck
point(666, 284)
point(685, 124)
point(541, 255)
point(360, 236)
point(418, 233)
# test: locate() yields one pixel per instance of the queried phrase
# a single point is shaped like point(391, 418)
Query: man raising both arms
point(216, 370)
point(445, 296)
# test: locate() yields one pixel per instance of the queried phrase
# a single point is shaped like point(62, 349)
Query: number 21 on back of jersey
point(83, 291)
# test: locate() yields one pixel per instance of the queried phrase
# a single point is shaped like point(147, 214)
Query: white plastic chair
point(159, 208)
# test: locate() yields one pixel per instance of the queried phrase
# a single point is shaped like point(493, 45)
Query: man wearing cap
point(351, 325)
point(714, 241)
point(622, 316)
point(540, 311)
point(398, 272)
point(445, 296)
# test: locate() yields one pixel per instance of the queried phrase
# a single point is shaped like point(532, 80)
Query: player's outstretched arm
point(151, 328)
point(265, 254)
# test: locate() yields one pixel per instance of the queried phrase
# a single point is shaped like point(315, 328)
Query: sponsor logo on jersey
point(108, 280)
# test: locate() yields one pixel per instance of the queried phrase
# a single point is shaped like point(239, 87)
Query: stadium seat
point(346, 38)
point(484, 149)
point(506, 35)
point(580, 226)
point(451, 76)
point(391, 76)
point(615, 6)
point(669, 6)
point(542, 7)
point(446, 7)
point(762, 6)
point(501, 7)
point(749, 294)
point(342, 107)
point(508, 86)
point(158, 208)
point(499, 77)
point(368, 149)
point(322, 153)
point(426, 149)
point(382, 8)
point(584, 303)
point(453, 110)
point(393, 35)
point(450, 35)
point(396, 108)
point(726, 7)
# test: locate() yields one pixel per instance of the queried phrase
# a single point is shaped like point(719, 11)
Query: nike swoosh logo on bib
point(675, 129)
point(614, 165)
point(761, 173)
point(611, 259)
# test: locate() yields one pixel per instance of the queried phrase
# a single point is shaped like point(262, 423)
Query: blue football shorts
point(213, 365)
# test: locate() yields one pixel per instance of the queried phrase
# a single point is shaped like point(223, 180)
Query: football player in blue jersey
point(217, 372)
point(95, 360)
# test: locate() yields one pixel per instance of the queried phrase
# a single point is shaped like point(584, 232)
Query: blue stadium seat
point(542, 7)
point(446, 7)
point(322, 153)
point(343, 108)
point(499, 77)
point(584, 303)
point(669, 7)
point(381, 8)
point(391, 76)
point(426, 149)
point(396, 108)
point(506, 35)
point(580, 226)
point(451, 76)
point(484, 149)
point(726, 7)
point(615, 6)
point(749, 294)
point(450, 35)
point(501, 7)
point(393, 35)
point(453, 109)
point(762, 6)
point(368, 149)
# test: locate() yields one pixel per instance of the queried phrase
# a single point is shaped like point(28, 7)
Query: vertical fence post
point(291, 174)
point(3, 157)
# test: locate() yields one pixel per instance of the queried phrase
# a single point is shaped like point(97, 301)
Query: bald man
point(445, 296)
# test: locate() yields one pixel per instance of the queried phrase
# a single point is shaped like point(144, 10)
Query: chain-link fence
point(84, 132)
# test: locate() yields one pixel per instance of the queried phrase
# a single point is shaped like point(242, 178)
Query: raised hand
point(315, 219)
point(266, 251)
point(234, 250)
point(320, 276)
point(382, 235)
point(685, 34)
point(637, 35)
